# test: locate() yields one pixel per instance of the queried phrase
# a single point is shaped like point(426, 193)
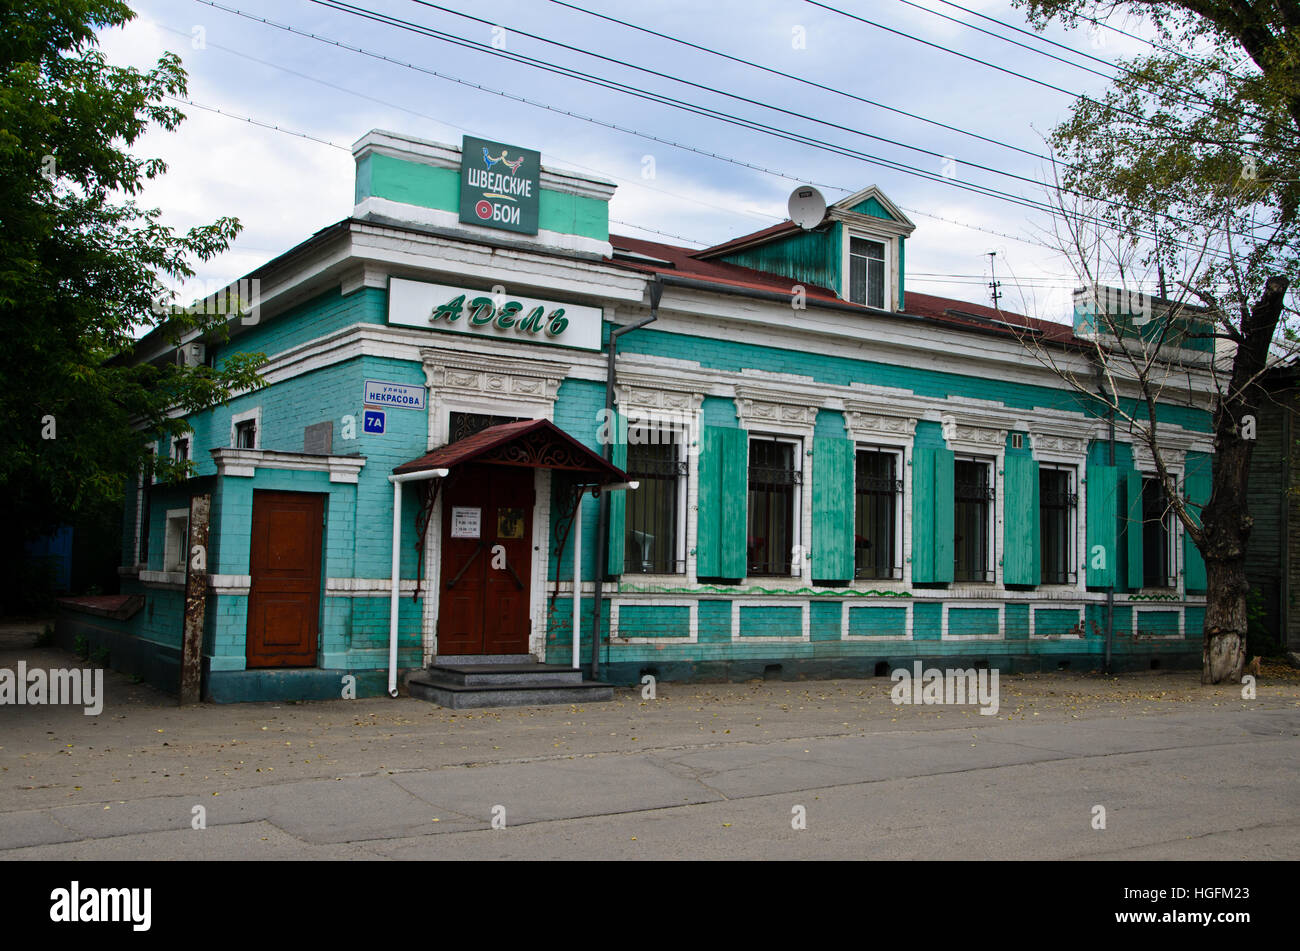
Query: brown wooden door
point(487, 532)
point(285, 565)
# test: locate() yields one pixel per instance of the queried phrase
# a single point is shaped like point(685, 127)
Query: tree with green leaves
point(1186, 172)
point(81, 263)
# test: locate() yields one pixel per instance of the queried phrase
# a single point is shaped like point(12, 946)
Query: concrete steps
point(503, 680)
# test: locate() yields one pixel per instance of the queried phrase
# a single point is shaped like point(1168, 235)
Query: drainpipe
point(397, 481)
point(602, 517)
point(577, 578)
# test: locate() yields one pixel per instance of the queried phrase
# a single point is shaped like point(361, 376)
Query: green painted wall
point(806, 257)
point(736, 356)
point(877, 622)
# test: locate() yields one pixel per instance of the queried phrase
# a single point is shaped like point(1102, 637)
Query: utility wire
point(1135, 116)
point(1196, 101)
point(708, 112)
point(987, 191)
point(431, 118)
point(807, 82)
point(753, 125)
point(712, 89)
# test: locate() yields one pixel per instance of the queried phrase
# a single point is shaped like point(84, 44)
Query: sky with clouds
point(323, 75)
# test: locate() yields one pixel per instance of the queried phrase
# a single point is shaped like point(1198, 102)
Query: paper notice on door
point(466, 522)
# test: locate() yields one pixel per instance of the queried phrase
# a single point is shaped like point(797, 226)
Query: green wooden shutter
point(1133, 530)
point(733, 531)
point(1196, 490)
point(833, 491)
point(932, 515)
point(1102, 524)
point(723, 496)
point(618, 501)
point(1021, 556)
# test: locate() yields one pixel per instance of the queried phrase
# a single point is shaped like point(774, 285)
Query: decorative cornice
point(963, 435)
point(1058, 443)
point(526, 379)
point(244, 463)
point(788, 408)
point(1174, 457)
point(871, 424)
point(644, 391)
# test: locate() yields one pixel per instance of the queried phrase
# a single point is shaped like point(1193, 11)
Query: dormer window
point(867, 272)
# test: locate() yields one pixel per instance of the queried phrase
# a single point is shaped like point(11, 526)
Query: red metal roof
point(535, 443)
point(754, 237)
point(686, 263)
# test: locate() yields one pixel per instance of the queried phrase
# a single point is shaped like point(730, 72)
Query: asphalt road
point(701, 771)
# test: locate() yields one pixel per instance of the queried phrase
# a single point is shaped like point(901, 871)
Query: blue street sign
point(374, 421)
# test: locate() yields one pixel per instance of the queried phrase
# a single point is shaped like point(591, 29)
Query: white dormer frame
point(891, 258)
point(889, 231)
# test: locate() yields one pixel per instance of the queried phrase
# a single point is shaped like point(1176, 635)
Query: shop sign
point(499, 185)
point(494, 314)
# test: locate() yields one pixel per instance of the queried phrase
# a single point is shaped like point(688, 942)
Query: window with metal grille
point(1057, 504)
point(774, 480)
point(1157, 536)
point(463, 425)
point(875, 521)
point(867, 272)
point(653, 530)
point(973, 500)
point(246, 434)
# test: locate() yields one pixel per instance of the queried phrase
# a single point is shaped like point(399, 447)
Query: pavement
point(1074, 765)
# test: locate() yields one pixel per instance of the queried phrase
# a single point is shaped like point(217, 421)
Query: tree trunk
point(1224, 653)
point(1225, 521)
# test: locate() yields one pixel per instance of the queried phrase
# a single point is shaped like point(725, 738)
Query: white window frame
point(797, 553)
point(1073, 527)
point(681, 442)
point(900, 463)
point(888, 242)
point(189, 448)
point(174, 550)
point(991, 551)
point(255, 417)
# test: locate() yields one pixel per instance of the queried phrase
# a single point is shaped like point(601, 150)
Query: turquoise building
point(834, 474)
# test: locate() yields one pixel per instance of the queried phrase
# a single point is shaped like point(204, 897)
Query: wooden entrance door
point(285, 565)
point(487, 545)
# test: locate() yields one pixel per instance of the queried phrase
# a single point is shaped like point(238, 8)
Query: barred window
point(1157, 536)
point(875, 527)
point(774, 479)
point(653, 526)
point(973, 499)
point(463, 425)
point(1057, 504)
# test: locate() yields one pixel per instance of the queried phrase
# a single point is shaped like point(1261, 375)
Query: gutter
point(397, 481)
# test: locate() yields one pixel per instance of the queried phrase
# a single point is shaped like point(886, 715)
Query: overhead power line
point(1192, 99)
point(976, 188)
point(753, 125)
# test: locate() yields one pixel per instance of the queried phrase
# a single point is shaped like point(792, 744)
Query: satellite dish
point(807, 207)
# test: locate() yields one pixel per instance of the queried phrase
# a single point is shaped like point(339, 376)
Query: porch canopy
point(532, 443)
